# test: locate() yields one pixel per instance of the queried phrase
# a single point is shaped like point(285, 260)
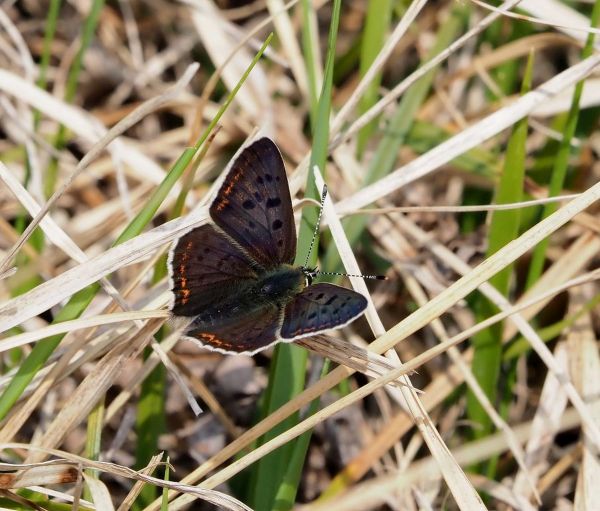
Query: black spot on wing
point(255, 189)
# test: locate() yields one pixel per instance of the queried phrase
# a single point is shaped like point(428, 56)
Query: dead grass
point(392, 429)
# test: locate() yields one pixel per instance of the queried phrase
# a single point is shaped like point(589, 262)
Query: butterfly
point(236, 277)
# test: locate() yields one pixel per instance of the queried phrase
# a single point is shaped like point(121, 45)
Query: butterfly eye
point(267, 288)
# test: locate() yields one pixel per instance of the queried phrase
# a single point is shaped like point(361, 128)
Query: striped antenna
point(317, 225)
point(374, 277)
point(313, 272)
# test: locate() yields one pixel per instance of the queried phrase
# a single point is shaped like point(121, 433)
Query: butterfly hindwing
point(321, 307)
point(240, 332)
point(254, 206)
point(205, 266)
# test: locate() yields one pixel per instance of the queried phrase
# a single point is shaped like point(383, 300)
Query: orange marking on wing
point(184, 293)
point(185, 296)
point(213, 339)
point(222, 203)
point(234, 179)
point(227, 189)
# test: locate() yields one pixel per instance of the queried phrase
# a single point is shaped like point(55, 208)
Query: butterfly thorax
point(277, 286)
point(281, 284)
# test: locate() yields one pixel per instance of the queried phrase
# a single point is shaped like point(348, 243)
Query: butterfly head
point(310, 274)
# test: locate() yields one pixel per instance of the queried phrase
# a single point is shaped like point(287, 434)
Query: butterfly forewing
point(321, 307)
point(205, 267)
point(240, 332)
point(254, 207)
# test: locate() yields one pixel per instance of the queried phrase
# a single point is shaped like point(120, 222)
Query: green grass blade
point(93, 442)
point(89, 28)
point(398, 128)
point(286, 494)
point(288, 366)
point(151, 419)
point(164, 505)
point(521, 346)
point(37, 237)
point(49, 32)
point(379, 13)
point(286, 379)
point(150, 424)
point(504, 227)
point(309, 56)
point(561, 162)
point(424, 136)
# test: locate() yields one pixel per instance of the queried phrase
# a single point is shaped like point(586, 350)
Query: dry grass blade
point(46, 295)
point(351, 356)
point(545, 425)
point(423, 110)
point(99, 493)
point(408, 18)
point(420, 318)
point(76, 324)
point(36, 474)
point(219, 43)
point(415, 76)
point(456, 479)
point(463, 209)
point(128, 501)
point(54, 233)
point(557, 22)
point(93, 130)
point(585, 365)
point(214, 497)
point(469, 138)
point(489, 267)
point(372, 493)
point(92, 389)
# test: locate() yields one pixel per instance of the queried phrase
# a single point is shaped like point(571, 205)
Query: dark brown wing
point(254, 206)
point(321, 307)
point(205, 266)
point(241, 332)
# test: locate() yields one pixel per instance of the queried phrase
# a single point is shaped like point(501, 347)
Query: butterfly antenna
point(374, 277)
point(316, 231)
point(314, 272)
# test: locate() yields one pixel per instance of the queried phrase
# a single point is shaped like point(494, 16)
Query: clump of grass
point(474, 356)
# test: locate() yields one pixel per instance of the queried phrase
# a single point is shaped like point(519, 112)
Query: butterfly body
point(277, 287)
point(236, 277)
